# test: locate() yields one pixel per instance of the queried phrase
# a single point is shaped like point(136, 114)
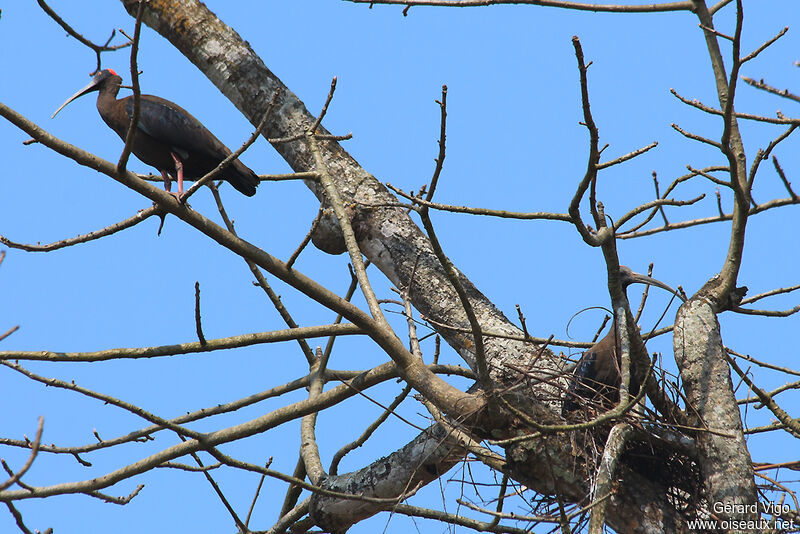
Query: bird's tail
point(242, 178)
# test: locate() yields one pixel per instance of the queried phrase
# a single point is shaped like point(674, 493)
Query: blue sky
point(514, 142)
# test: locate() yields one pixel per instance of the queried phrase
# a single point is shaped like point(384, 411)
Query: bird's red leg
point(167, 181)
point(179, 168)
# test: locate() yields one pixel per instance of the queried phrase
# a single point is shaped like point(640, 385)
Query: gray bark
point(420, 462)
point(722, 453)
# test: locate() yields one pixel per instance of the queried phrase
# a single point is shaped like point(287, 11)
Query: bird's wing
point(171, 124)
point(586, 367)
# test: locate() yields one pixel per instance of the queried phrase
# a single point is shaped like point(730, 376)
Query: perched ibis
point(596, 378)
point(167, 136)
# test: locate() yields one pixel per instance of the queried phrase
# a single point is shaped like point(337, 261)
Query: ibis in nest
point(596, 378)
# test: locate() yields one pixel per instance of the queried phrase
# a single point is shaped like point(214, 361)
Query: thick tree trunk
point(722, 452)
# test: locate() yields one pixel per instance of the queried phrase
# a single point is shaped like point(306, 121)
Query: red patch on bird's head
point(112, 72)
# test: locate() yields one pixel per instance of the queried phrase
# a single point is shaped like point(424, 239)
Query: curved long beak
point(636, 278)
point(94, 85)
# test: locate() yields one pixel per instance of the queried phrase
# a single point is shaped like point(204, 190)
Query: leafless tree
point(656, 460)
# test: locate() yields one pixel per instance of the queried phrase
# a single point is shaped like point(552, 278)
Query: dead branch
point(141, 216)
point(244, 340)
point(578, 6)
point(15, 478)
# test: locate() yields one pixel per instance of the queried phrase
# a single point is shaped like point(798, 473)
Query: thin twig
point(137, 93)
point(719, 5)
point(140, 216)
point(658, 195)
point(322, 113)
point(708, 176)
point(534, 518)
point(356, 258)
point(448, 267)
point(767, 313)
point(627, 156)
point(351, 290)
point(779, 291)
point(765, 153)
point(645, 294)
point(306, 239)
point(738, 115)
point(763, 207)
point(305, 175)
point(522, 322)
point(72, 386)
point(500, 499)
point(761, 84)
point(716, 32)
point(457, 519)
point(764, 46)
point(760, 363)
point(116, 500)
point(786, 183)
point(690, 135)
point(219, 169)
point(454, 277)
point(98, 49)
point(504, 214)
point(594, 154)
point(790, 424)
point(369, 431)
point(197, 321)
point(293, 492)
point(261, 280)
point(290, 517)
point(442, 139)
point(34, 452)
point(189, 468)
point(225, 502)
point(659, 202)
point(776, 391)
point(20, 523)
point(9, 332)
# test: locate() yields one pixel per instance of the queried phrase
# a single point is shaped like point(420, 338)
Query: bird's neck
point(108, 94)
point(111, 111)
point(105, 99)
point(105, 103)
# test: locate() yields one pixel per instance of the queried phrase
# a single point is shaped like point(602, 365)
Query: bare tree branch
point(186, 348)
point(613, 8)
point(34, 452)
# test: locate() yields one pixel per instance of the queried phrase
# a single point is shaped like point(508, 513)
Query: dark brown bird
point(596, 378)
point(167, 136)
